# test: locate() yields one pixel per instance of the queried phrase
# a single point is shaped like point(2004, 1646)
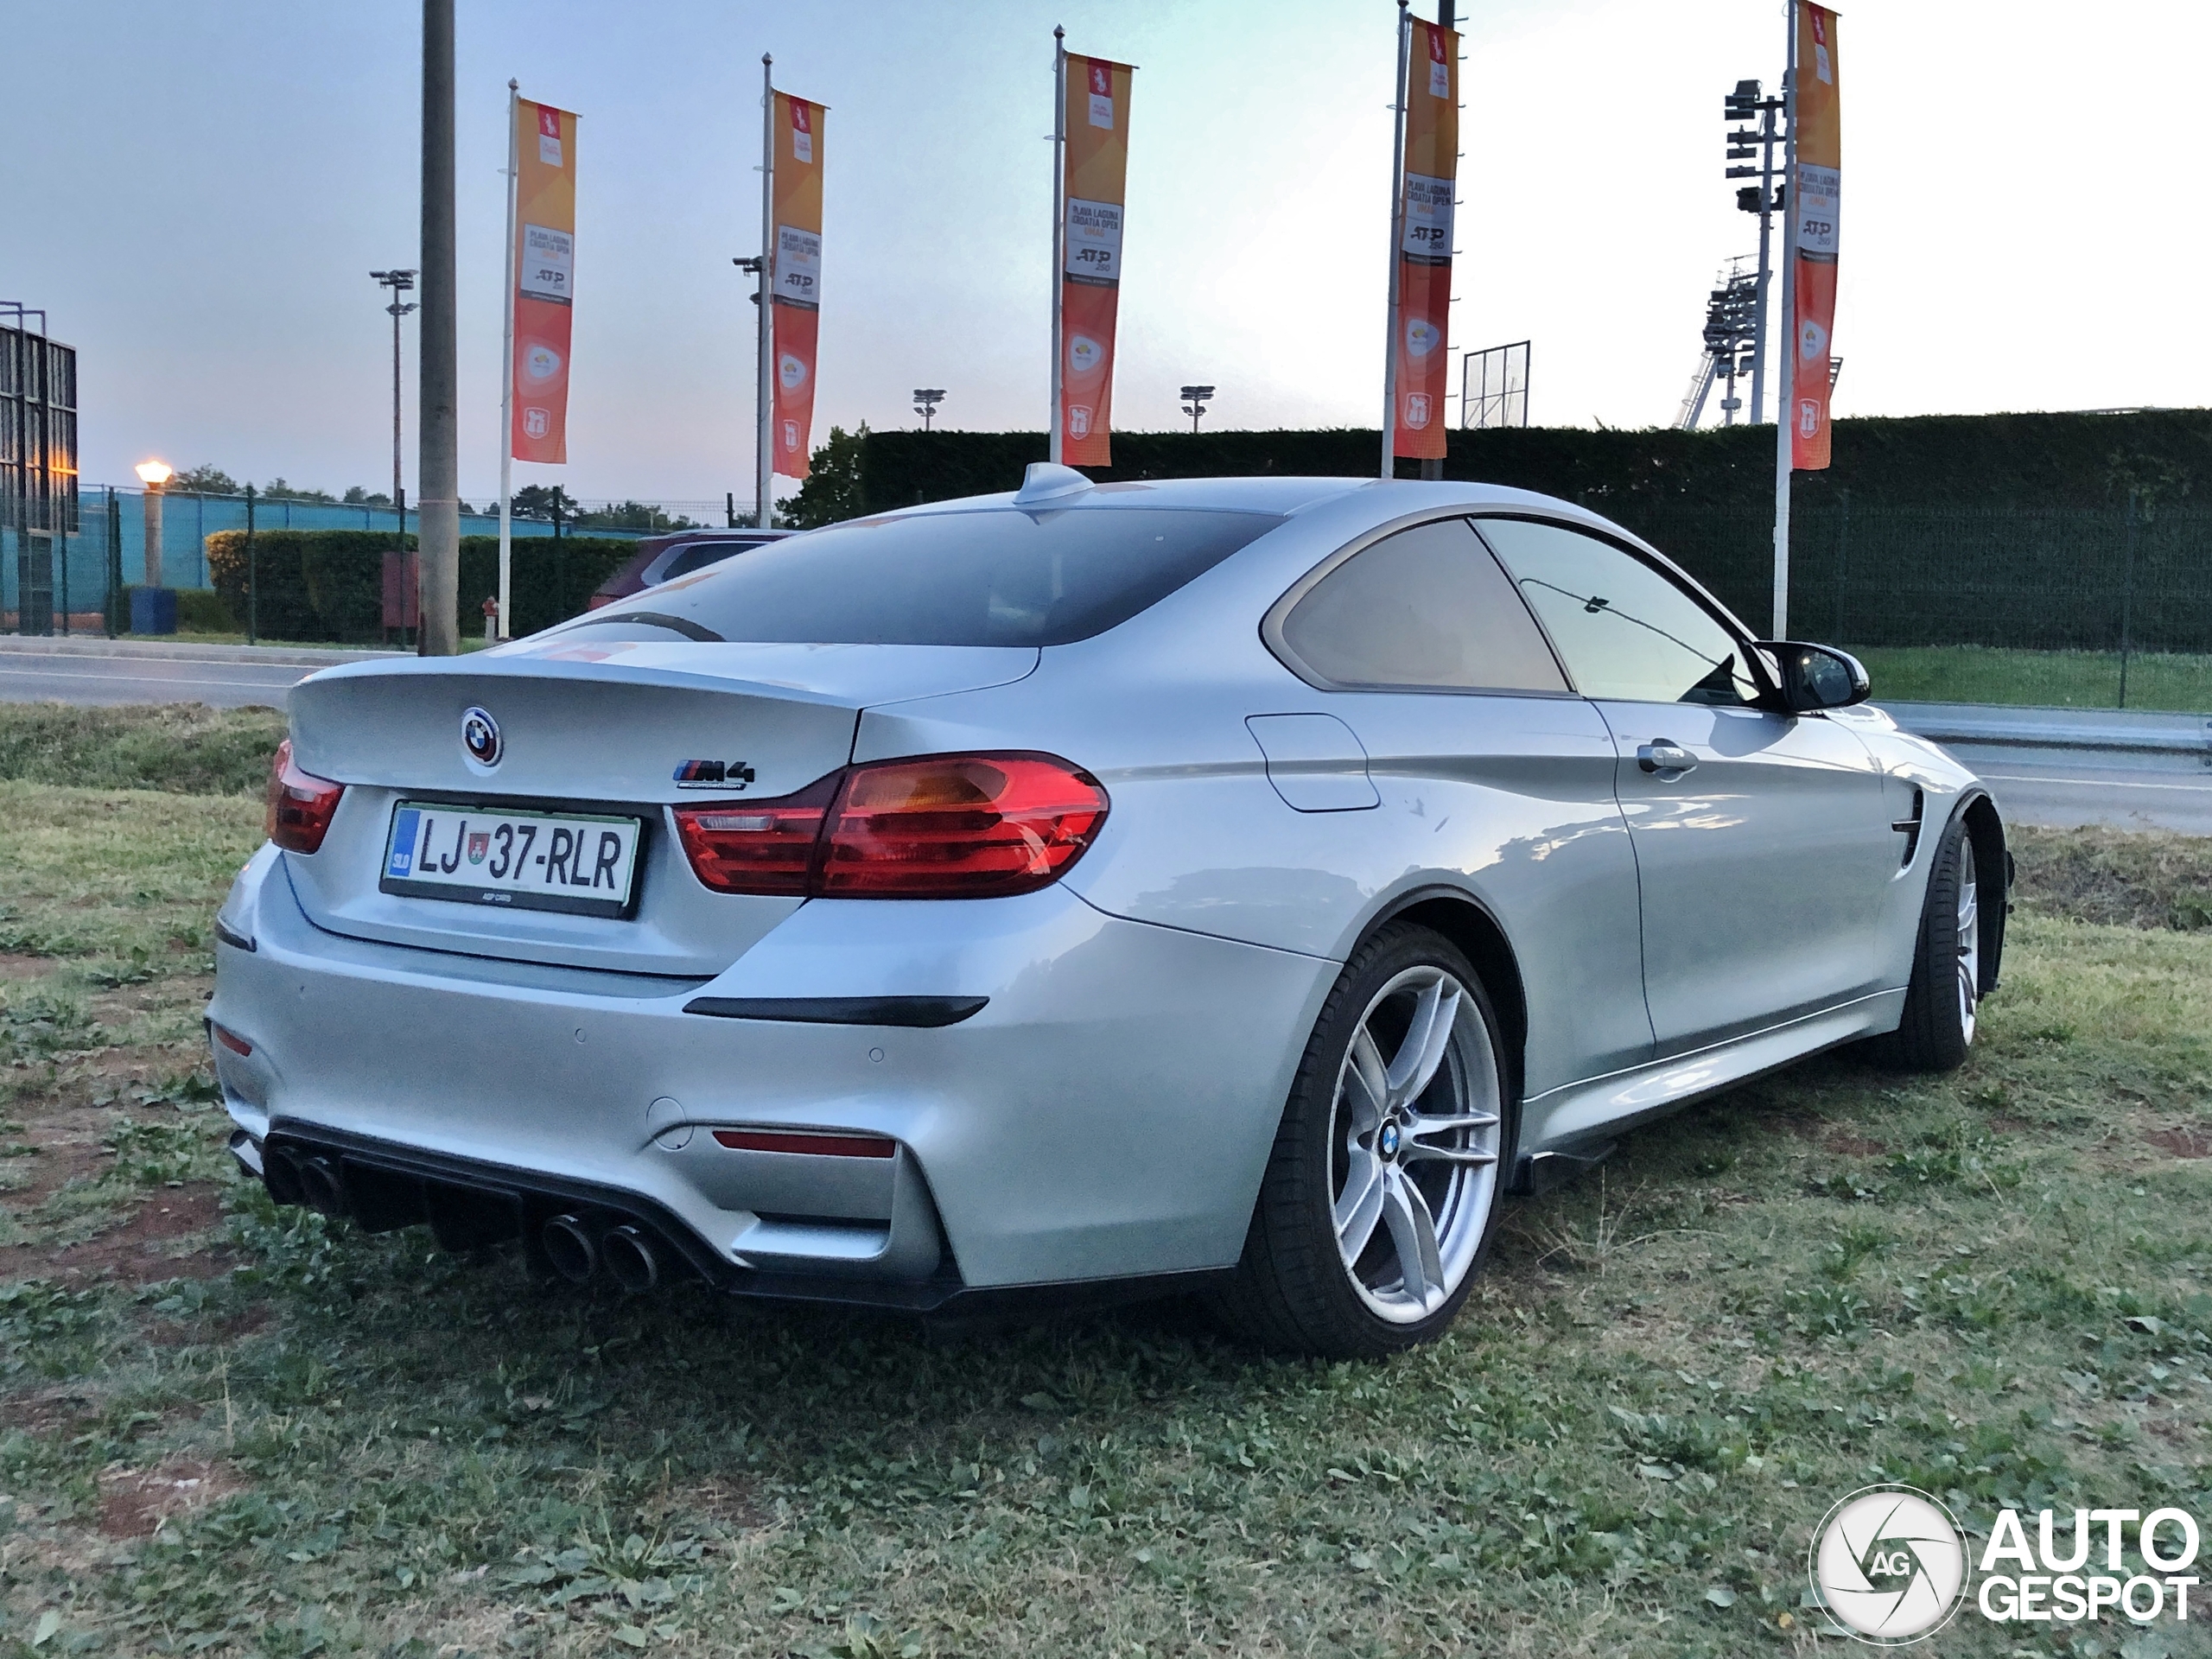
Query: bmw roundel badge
point(479, 738)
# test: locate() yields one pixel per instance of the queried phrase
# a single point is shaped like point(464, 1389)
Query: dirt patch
point(1854, 1146)
point(135, 1503)
point(728, 1501)
point(16, 966)
point(141, 1251)
point(2121, 877)
point(2185, 1142)
point(55, 1411)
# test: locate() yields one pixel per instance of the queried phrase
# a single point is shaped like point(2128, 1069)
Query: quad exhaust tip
point(569, 1251)
point(631, 1258)
point(322, 1186)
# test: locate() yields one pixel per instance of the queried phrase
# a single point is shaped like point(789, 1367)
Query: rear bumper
point(1105, 1114)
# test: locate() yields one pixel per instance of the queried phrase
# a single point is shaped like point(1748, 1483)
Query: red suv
point(664, 558)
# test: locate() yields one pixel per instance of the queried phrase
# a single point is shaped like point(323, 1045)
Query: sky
point(198, 197)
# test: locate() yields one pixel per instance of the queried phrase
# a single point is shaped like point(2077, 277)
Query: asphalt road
point(144, 678)
point(2064, 791)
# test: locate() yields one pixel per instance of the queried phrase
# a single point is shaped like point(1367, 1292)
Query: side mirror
point(1816, 677)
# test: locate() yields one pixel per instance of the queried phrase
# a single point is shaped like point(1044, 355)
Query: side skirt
point(1563, 1117)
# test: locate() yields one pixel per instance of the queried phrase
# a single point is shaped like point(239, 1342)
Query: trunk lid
point(601, 728)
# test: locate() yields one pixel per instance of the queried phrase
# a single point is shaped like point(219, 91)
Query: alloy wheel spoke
point(1366, 1085)
point(1361, 1205)
point(1418, 1126)
point(1427, 1037)
point(1472, 1157)
point(1412, 1233)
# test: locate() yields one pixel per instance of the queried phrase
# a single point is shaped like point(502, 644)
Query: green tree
point(356, 496)
point(209, 480)
point(278, 490)
point(547, 501)
point(832, 489)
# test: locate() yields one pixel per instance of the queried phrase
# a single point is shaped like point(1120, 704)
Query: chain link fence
point(2089, 607)
point(72, 576)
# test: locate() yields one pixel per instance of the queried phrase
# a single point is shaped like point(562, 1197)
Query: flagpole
point(1397, 232)
point(1059, 224)
point(764, 384)
point(507, 387)
point(1785, 410)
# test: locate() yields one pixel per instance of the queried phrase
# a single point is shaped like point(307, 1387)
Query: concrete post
point(152, 536)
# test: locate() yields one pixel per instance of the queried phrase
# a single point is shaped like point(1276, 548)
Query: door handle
point(1659, 755)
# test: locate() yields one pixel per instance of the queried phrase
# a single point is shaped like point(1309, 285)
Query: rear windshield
point(994, 577)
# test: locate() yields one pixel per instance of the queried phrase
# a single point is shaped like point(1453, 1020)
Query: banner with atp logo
point(795, 294)
point(1815, 200)
point(545, 268)
point(1432, 174)
point(1093, 184)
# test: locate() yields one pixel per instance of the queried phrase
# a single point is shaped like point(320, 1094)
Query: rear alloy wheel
point(1942, 1000)
point(1382, 1188)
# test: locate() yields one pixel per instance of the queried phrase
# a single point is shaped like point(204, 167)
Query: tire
point(1942, 998)
point(1421, 1163)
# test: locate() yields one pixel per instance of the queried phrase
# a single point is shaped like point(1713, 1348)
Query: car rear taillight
point(952, 826)
point(758, 846)
point(959, 826)
point(828, 1144)
point(301, 805)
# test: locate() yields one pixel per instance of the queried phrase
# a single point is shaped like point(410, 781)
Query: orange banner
point(1096, 122)
point(1432, 172)
point(545, 261)
point(797, 291)
point(1814, 199)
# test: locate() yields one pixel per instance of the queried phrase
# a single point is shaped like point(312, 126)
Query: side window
point(1427, 609)
point(1624, 630)
point(697, 556)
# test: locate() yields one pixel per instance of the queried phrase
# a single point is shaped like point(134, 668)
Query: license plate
point(575, 861)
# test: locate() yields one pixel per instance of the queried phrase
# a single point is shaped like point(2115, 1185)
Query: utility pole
point(438, 470)
point(1194, 404)
point(926, 398)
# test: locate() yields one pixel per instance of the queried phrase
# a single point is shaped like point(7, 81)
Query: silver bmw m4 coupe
point(1231, 884)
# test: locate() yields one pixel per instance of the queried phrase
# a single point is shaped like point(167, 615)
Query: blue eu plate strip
point(401, 863)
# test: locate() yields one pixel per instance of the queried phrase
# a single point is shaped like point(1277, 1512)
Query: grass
point(182, 746)
point(2050, 679)
point(231, 1429)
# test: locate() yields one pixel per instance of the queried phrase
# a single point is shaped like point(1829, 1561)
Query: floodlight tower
point(1766, 199)
point(926, 398)
point(399, 281)
point(1194, 404)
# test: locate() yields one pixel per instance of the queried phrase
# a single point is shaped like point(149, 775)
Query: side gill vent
point(1909, 828)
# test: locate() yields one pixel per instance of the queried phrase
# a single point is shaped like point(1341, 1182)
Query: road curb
point(177, 651)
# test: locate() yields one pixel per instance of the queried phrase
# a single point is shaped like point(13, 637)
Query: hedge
point(328, 584)
point(2004, 461)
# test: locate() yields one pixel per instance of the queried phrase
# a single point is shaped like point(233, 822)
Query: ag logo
point(1422, 337)
point(1890, 1563)
point(1417, 410)
point(1085, 353)
point(540, 362)
point(792, 371)
point(536, 422)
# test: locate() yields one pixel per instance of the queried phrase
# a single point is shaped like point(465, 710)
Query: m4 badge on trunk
point(713, 774)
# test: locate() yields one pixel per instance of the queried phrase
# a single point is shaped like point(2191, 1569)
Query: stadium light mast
point(1194, 404)
point(1747, 142)
point(399, 281)
point(926, 398)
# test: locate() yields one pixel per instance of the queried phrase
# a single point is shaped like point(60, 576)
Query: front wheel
point(1381, 1193)
point(1942, 1000)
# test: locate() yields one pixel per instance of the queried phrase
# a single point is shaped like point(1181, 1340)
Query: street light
point(1194, 404)
point(399, 281)
point(926, 398)
point(153, 474)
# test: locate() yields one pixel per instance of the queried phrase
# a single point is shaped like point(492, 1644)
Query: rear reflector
point(301, 805)
point(952, 826)
point(819, 1145)
point(231, 1039)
